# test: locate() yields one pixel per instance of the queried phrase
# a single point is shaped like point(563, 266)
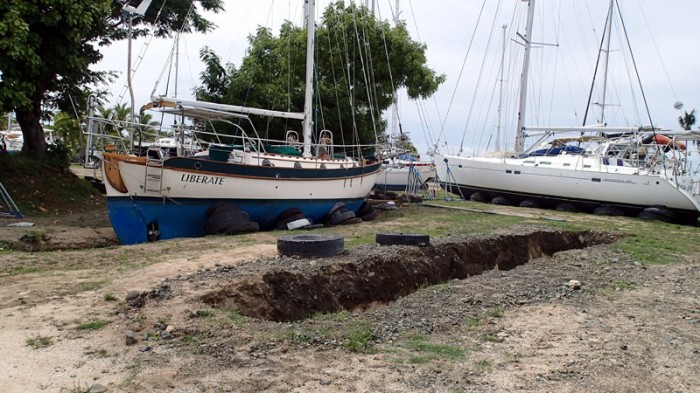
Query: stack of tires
point(292, 218)
point(340, 215)
point(226, 218)
point(366, 212)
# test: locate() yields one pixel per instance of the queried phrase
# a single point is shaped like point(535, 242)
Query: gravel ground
point(581, 319)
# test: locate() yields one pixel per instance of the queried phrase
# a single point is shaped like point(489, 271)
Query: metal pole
point(607, 60)
point(310, 27)
point(131, 88)
point(519, 138)
point(500, 96)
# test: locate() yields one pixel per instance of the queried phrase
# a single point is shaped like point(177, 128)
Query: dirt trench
point(386, 274)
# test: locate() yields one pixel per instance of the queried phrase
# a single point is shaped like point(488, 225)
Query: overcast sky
point(663, 34)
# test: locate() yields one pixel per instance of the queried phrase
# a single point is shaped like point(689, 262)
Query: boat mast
point(310, 30)
point(605, 63)
point(519, 138)
point(395, 108)
point(500, 95)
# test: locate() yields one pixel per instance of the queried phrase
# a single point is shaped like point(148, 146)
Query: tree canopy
point(48, 47)
point(360, 62)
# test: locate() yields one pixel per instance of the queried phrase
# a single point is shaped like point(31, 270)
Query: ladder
point(8, 208)
point(153, 181)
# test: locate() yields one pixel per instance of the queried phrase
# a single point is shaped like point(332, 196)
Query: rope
point(461, 71)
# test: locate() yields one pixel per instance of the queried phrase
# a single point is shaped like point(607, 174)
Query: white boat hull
point(403, 176)
point(579, 179)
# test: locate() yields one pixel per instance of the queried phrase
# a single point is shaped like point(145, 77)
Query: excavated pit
point(381, 274)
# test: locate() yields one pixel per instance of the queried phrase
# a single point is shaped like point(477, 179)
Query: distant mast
point(500, 95)
point(310, 27)
point(519, 138)
point(395, 129)
point(608, 31)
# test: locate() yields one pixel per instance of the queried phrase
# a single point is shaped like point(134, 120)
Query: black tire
point(292, 211)
point(566, 207)
point(607, 210)
point(282, 224)
point(220, 221)
point(311, 246)
point(354, 220)
point(340, 217)
point(403, 239)
point(364, 209)
point(242, 227)
point(338, 207)
point(502, 201)
point(313, 226)
point(369, 216)
point(220, 207)
point(657, 213)
point(478, 197)
point(529, 203)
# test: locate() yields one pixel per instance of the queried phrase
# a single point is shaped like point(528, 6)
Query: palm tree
point(67, 129)
point(687, 120)
point(119, 115)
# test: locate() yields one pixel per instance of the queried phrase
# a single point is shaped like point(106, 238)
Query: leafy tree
point(48, 46)
point(357, 59)
point(67, 129)
point(687, 120)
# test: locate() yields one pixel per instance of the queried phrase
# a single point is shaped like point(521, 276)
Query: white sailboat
point(625, 170)
point(163, 196)
point(403, 169)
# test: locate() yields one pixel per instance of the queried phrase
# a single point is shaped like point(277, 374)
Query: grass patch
point(424, 351)
point(92, 285)
point(496, 312)
point(616, 287)
point(130, 382)
point(38, 342)
point(472, 323)
point(359, 339)
point(92, 325)
point(110, 297)
point(491, 339)
point(483, 366)
point(234, 316)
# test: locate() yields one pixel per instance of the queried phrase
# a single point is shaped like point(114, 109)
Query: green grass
point(662, 246)
point(92, 325)
point(38, 342)
point(483, 366)
point(418, 350)
point(237, 318)
point(92, 285)
point(110, 297)
point(472, 323)
point(496, 312)
point(359, 339)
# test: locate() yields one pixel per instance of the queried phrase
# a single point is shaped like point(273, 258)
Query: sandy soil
point(65, 319)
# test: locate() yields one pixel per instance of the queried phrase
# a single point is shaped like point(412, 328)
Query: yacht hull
point(583, 181)
point(174, 197)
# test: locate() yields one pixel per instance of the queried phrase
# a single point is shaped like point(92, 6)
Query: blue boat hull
point(133, 217)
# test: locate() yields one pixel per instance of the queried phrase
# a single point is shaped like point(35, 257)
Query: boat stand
point(8, 208)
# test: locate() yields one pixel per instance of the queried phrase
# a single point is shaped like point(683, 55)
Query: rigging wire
point(140, 57)
point(658, 52)
point(481, 71)
point(461, 71)
point(636, 70)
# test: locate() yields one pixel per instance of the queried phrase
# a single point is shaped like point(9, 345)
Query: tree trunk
point(29, 121)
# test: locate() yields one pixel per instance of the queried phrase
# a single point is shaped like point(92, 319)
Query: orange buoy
point(666, 141)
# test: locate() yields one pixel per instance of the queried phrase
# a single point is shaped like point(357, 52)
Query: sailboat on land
point(163, 196)
point(636, 171)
